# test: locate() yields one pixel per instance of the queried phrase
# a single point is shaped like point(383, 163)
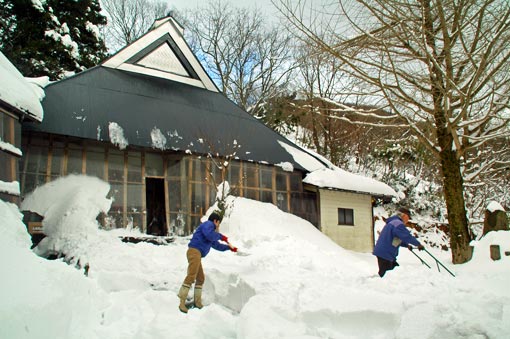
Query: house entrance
point(155, 203)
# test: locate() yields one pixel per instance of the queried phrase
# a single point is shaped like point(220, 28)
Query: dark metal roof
point(190, 118)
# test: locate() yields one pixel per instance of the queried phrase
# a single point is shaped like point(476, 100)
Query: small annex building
point(152, 123)
point(19, 101)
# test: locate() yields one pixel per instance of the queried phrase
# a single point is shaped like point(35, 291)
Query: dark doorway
point(155, 202)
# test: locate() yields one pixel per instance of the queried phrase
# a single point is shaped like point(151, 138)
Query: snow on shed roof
point(340, 179)
point(19, 92)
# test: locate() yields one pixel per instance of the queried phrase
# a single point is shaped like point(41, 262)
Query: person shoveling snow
point(205, 236)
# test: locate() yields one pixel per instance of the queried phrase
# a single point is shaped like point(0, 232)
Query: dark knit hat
point(215, 216)
point(405, 210)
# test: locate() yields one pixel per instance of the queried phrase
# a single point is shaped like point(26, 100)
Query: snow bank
point(41, 298)
point(295, 283)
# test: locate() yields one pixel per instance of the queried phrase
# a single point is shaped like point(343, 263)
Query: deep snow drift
point(296, 283)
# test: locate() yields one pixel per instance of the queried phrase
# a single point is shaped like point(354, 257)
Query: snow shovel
point(439, 263)
point(239, 253)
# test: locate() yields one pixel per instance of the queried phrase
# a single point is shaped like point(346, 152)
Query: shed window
point(345, 216)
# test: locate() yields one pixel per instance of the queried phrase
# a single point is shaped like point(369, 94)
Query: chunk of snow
point(116, 134)
point(158, 139)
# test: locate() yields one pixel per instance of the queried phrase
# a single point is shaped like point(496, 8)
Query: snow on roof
point(9, 187)
point(495, 206)
point(303, 158)
point(334, 177)
point(19, 92)
point(337, 178)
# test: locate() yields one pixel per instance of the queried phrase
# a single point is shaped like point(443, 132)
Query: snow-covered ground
point(295, 283)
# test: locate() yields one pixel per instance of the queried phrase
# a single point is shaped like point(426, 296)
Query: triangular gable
point(163, 52)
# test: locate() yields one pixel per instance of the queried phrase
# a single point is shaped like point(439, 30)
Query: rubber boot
point(198, 297)
point(183, 294)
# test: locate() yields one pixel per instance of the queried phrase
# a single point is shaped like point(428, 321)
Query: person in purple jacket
point(393, 235)
point(205, 236)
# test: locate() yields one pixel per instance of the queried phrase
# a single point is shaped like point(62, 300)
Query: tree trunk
point(454, 197)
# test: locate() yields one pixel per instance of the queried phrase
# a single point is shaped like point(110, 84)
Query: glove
point(421, 247)
point(224, 238)
point(410, 247)
point(233, 249)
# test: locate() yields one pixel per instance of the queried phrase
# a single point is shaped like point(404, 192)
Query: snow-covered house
point(19, 101)
point(151, 122)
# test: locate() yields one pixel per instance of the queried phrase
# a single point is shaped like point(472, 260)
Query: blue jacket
point(205, 237)
point(394, 230)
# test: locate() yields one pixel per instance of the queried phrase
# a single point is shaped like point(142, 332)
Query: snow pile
point(295, 283)
point(70, 217)
point(40, 298)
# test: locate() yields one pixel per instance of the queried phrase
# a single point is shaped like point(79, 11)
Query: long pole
point(417, 256)
point(439, 263)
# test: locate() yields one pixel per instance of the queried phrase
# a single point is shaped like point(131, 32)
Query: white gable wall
point(359, 237)
point(172, 70)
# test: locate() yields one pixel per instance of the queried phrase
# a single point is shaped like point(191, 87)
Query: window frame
point(342, 216)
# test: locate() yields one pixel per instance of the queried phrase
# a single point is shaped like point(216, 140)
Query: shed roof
point(17, 92)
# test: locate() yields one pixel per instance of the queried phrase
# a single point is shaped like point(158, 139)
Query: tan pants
point(195, 271)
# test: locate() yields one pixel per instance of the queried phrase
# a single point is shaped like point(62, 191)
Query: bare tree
point(441, 66)
point(249, 59)
point(129, 19)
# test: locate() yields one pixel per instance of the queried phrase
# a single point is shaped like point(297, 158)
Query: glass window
point(134, 198)
point(251, 194)
point(295, 182)
point(154, 164)
point(37, 157)
point(174, 195)
point(174, 167)
point(266, 177)
point(266, 196)
point(251, 175)
point(214, 174)
point(198, 198)
point(31, 181)
point(282, 201)
point(195, 221)
point(177, 223)
point(198, 170)
point(57, 162)
point(74, 161)
point(115, 165)
point(281, 181)
point(134, 167)
point(296, 202)
point(95, 162)
point(345, 216)
point(233, 173)
point(117, 193)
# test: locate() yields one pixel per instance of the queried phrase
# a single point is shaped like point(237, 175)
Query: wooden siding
point(358, 237)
